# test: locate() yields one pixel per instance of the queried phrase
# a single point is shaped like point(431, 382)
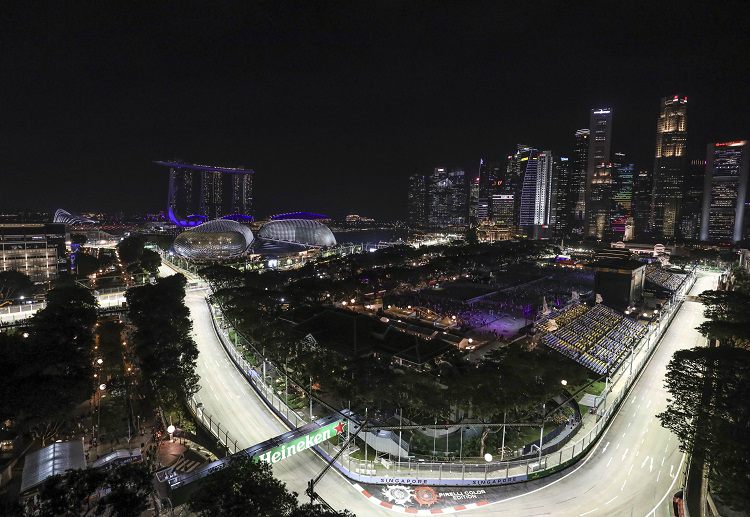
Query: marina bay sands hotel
point(200, 193)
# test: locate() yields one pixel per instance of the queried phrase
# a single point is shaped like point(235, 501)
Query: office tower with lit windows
point(491, 176)
point(35, 249)
point(521, 164)
point(600, 206)
point(622, 194)
point(579, 164)
point(448, 198)
point(692, 200)
point(725, 192)
point(599, 177)
point(474, 209)
point(417, 200)
point(669, 166)
point(559, 219)
point(642, 190)
point(535, 193)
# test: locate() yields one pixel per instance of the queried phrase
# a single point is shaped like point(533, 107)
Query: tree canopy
point(122, 491)
point(163, 343)
point(247, 488)
point(713, 418)
point(130, 249)
point(14, 284)
point(48, 372)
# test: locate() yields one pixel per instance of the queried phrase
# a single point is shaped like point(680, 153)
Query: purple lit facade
point(198, 193)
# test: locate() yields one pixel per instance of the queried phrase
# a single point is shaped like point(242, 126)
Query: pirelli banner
point(301, 443)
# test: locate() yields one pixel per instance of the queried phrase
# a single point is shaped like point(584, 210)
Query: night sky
point(334, 104)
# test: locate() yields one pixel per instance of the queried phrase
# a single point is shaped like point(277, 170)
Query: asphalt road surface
point(228, 397)
point(633, 470)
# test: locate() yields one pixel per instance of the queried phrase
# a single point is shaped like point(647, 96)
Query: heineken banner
point(303, 442)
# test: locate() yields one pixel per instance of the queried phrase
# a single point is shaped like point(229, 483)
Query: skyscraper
point(577, 198)
point(725, 192)
point(692, 200)
point(490, 184)
point(622, 195)
point(535, 190)
point(559, 219)
point(623, 192)
point(474, 202)
point(521, 164)
point(417, 200)
point(600, 206)
point(448, 198)
point(598, 166)
point(201, 192)
point(669, 166)
point(642, 191)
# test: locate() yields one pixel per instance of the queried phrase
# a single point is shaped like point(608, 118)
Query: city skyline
point(101, 122)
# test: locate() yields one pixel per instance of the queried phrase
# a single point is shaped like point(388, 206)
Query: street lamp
point(171, 430)
point(99, 361)
point(488, 457)
point(564, 382)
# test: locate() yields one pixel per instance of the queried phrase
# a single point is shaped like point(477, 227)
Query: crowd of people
point(597, 338)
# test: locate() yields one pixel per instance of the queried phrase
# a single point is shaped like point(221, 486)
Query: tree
point(65, 494)
point(150, 260)
point(78, 238)
point(163, 343)
point(130, 249)
point(243, 487)
point(129, 487)
point(708, 411)
point(221, 276)
point(86, 264)
point(49, 372)
point(125, 490)
point(14, 284)
point(728, 316)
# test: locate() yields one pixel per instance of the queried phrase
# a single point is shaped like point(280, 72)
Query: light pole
point(541, 433)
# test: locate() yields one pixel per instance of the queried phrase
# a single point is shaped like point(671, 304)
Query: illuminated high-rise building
point(198, 193)
point(725, 192)
point(692, 200)
point(536, 186)
point(599, 209)
point(474, 209)
point(642, 190)
point(622, 194)
point(598, 172)
point(448, 198)
point(417, 200)
point(579, 165)
point(669, 166)
point(520, 164)
point(559, 219)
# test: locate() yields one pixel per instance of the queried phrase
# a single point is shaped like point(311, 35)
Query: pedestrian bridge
point(178, 486)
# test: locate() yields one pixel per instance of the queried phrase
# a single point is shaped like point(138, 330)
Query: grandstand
point(598, 338)
point(664, 279)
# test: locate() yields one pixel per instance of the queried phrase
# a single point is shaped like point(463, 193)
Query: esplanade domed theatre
point(305, 232)
point(217, 240)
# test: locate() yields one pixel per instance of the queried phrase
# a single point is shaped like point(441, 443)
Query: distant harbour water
point(369, 236)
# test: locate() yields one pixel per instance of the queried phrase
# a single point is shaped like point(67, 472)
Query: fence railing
point(212, 425)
